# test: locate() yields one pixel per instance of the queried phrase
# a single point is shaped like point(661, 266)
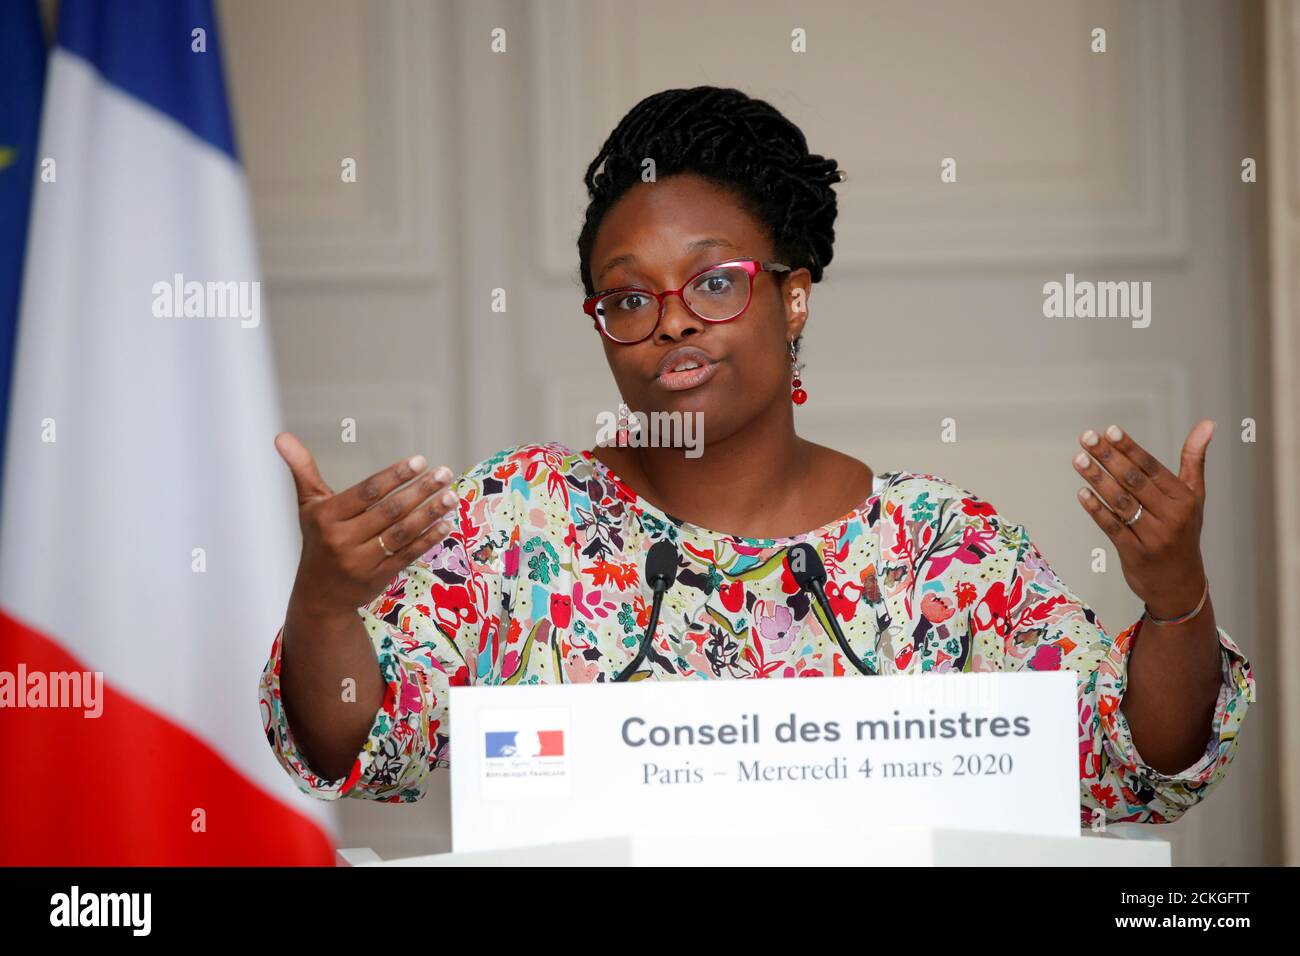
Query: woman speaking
point(531, 567)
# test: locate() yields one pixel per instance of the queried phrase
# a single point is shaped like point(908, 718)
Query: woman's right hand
point(344, 563)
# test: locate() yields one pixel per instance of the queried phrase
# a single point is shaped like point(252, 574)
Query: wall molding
point(392, 421)
point(1282, 39)
point(572, 65)
point(396, 236)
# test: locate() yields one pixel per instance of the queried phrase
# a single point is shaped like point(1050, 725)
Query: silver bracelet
point(1178, 620)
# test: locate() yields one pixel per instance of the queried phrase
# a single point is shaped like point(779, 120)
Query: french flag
point(147, 532)
point(513, 743)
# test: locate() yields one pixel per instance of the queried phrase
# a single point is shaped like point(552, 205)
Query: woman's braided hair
point(744, 145)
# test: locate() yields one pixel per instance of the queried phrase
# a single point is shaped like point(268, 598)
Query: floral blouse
point(539, 581)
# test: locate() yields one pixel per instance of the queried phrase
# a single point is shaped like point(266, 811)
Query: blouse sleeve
point(427, 628)
point(1043, 625)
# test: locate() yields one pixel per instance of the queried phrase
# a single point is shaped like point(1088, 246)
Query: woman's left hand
point(1160, 551)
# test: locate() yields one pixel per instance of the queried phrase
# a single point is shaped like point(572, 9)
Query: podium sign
point(549, 763)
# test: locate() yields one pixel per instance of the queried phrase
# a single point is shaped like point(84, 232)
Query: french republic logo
point(526, 753)
point(513, 743)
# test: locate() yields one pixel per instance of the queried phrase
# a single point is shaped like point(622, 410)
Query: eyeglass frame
point(753, 267)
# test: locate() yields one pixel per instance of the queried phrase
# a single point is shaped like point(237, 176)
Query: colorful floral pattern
point(540, 582)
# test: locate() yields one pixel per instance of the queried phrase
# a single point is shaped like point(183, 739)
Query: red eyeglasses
point(720, 293)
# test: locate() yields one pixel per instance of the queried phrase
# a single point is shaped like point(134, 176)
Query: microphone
point(810, 575)
point(660, 573)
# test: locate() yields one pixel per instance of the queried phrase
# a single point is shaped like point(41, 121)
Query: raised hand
point(353, 542)
point(1159, 545)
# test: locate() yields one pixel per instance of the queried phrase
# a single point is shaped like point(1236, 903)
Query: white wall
point(1120, 166)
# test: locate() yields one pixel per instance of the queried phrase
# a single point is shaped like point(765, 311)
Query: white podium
point(1123, 845)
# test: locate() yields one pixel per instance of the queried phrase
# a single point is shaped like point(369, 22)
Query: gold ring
point(385, 547)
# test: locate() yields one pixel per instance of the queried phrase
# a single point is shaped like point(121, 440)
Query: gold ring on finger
point(385, 547)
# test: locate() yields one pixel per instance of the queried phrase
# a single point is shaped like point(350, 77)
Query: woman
point(530, 570)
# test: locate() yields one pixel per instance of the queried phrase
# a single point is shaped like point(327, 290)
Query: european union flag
point(22, 78)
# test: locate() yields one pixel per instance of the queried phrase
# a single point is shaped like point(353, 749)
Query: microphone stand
point(661, 571)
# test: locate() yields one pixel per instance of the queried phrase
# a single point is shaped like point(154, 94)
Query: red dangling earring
point(624, 416)
point(797, 395)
